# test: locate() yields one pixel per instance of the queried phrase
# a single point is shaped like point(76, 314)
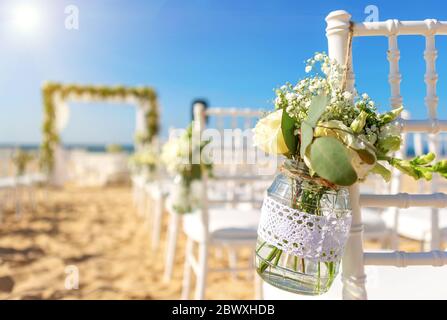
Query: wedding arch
point(56, 97)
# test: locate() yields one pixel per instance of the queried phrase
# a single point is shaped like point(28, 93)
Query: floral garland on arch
point(332, 139)
point(144, 95)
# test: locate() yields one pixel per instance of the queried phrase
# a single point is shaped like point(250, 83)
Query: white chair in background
point(233, 165)
point(138, 192)
point(156, 192)
point(420, 279)
point(224, 222)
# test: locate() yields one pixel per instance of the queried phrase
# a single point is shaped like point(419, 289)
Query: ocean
point(128, 148)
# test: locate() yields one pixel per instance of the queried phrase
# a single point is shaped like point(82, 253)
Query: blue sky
point(233, 53)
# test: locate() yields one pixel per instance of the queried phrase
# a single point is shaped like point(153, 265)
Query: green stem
point(261, 246)
point(264, 264)
point(278, 256)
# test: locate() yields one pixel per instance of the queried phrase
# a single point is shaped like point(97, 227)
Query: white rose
point(268, 134)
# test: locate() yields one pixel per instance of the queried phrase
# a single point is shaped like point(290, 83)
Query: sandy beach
point(97, 231)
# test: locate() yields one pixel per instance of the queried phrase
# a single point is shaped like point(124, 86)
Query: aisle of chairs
point(19, 192)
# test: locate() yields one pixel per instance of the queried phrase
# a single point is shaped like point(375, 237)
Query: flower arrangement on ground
point(332, 139)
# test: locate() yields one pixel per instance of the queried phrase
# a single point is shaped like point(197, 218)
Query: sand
point(97, 233)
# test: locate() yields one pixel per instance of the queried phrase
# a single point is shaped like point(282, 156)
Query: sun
point(26, 17)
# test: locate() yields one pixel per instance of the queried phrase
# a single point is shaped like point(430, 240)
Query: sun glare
point(26, 17)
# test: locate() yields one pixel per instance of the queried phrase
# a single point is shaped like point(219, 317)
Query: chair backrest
point(234, 177)
point(338, 32)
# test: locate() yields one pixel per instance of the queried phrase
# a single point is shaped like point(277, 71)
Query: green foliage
point(316, 109)
point(381, 170)
point(288, 132)
point(389, 144)
point(359, 123)
point(330, 160)
point(114, 148)
point(390, 116)
point(420, 167)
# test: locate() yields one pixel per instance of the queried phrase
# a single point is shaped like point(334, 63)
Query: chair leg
point(171, 246)
point(2, 206)
point(218, 253)
point(147, 213)
point(157, 222)
point(202, 271)
point(259, 294)
point(189, 254)
point(141, 202)
point(18, 202)
point(32, 198)
point(232, 259)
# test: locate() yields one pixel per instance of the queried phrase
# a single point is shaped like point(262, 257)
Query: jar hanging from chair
point(303, 229)
point(186, 194)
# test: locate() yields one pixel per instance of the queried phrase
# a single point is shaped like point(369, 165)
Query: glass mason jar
point(303, 199)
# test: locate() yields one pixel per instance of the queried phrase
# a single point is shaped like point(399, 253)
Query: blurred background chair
point(229, 215)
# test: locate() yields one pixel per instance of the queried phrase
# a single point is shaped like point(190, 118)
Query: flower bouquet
point(177, 155)
point(144, 162)
point(332, 139)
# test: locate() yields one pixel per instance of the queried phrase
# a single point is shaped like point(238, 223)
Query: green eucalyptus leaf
point(288, 132)
point(307, 134)
point(330, 160)
point(316, 109)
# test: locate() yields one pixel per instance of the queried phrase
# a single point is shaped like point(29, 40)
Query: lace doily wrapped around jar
point(301, 234)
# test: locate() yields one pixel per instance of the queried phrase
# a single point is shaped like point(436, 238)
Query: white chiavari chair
point(232, 154)
point(230, 211)
point(418, 279)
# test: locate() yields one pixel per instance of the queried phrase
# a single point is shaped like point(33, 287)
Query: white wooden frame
point(59, 175)
point(337, 32)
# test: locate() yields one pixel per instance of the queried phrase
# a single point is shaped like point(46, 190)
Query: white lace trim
point(305, 235)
